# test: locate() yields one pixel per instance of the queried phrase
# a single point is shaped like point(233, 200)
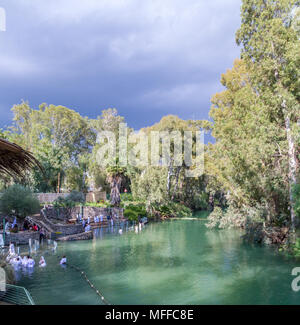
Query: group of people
point(27, 261)
point(96, 219)
point(9, 227)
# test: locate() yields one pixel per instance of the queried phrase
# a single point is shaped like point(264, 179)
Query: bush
point(132, 212)
point(18, 201)
point(103, 204)
point(230, 218)
point(126, 197)
point(77, 197)
point(173, 209)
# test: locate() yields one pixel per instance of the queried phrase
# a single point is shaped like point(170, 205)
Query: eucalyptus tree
point(271, 47)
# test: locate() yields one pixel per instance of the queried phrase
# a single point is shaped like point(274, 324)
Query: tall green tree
point(271, 46)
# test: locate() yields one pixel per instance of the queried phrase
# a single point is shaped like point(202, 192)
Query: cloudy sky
point(147, 58)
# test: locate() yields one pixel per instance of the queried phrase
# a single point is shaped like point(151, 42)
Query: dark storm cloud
point(146, 58)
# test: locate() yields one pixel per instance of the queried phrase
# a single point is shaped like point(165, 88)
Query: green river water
point(174, 262)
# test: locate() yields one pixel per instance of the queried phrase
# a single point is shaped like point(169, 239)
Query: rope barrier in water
point(83, 274)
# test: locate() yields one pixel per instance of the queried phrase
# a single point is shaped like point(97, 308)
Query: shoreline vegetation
point(251, 172)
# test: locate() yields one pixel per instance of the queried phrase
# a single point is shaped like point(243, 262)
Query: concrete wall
point(51, 197)
point(61, 213)
point(21, 238)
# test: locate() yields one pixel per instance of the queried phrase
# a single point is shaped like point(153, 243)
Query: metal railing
point(16, 295)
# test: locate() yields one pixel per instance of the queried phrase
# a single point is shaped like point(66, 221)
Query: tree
point(18, 201)
point(271, 47)
point(248, 161)
point(57, 134)
point(115, 176)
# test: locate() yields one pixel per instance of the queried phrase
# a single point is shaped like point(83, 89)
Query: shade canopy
point(14, 160)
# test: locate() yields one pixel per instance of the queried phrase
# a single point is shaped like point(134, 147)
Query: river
point(173, 262)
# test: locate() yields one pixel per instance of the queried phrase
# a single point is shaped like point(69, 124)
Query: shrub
point(173, 209)
point(132, 212)
point(18, 201)
point(77, 197)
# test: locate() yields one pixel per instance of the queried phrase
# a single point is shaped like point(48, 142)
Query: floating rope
point(83, 274)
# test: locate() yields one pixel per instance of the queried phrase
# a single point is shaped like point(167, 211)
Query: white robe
point(63, 261)
point(42, 262)
point(12, 249)
point(30, 262)
point(24, 261)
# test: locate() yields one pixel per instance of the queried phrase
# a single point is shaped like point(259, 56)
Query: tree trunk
point(115, 198)
point(292, 163)
point(176, 184)
point(58, 183)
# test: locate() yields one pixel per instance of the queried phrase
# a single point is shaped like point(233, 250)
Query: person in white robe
point(24, 261)
point(12, 249)
point(30, 262)
point(42, 262)
point(7, 227)
point(87, 228)
point(63, 261)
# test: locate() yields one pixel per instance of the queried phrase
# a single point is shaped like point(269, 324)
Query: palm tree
point(115, 175)
point(14, 160)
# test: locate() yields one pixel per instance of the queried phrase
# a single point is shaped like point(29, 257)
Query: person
point(63, 261)
point(14, 223)
point(112, 222)
point(120, 231)
point(101, 218)
point(42, 262)
point(17, 262)
point(87, 228)
point(88, 220)
point(42, 234)
point(7, 227)
point(30, 262)
point(26, 225)
point(24, 261)
point(12, 249)
point(35, 228)
point(83, 223)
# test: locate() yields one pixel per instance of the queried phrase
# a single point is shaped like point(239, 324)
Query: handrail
point(16, 295)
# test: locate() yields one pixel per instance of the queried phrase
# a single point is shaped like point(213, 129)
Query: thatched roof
point(14, 160)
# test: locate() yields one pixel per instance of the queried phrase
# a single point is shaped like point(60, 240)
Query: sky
point(146, 58)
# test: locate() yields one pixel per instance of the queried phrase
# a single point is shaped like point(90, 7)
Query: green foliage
point(70, 201)
point(173, 209)
point(132, 212)
point(296, 248)
point(105, 204)
point(296, 191)
point(18, 201)
point(230, 218)
point(127, 197)
point(77, 197)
